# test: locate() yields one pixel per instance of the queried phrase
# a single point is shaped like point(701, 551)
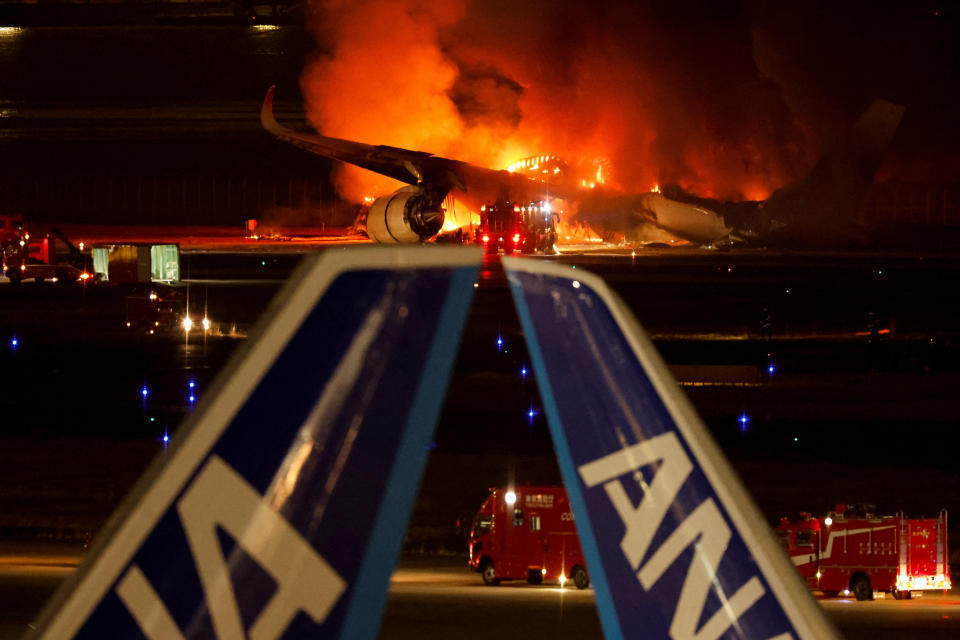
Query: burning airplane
point(811, 212)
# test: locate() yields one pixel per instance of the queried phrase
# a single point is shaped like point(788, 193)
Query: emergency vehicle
point(852, 550)
point(27, 257)
point(507, 227)
point(527, 533)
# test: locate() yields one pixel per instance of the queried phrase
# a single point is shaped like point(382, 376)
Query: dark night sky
point(727, 99)
point(720, 97)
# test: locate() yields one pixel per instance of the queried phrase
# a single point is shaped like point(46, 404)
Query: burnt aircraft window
point(534, 523)
point(518, 517)
point(805, 538)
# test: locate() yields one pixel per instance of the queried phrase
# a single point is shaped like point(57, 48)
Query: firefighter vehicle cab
point(507, 227)
point(527, 533)
point(853, 551)
point(27, 257)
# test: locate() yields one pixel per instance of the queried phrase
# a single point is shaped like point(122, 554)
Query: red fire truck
point(527, 533)
point(27, 257)
point(851, 550)
point(507, 227)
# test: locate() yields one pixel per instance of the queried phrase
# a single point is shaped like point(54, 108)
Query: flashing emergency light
point(486, 238)
point(516, 237)
point(828, 521)
point(510, 497)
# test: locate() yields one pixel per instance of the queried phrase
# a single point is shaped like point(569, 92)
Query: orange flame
point(460, 80)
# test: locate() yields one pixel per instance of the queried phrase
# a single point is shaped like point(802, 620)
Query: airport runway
point(438, 597)
point(842, 419)
point(435, 598)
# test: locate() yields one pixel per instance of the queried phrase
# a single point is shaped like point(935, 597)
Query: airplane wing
point(674, 545)
point(414, 167)
point(280, 509)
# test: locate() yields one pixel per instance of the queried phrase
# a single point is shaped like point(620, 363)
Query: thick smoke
point(668, 93)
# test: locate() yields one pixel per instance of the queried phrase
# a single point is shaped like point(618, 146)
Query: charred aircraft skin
point(817, 212)
point(414, 213)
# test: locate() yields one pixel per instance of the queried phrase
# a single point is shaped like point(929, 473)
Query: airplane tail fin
point(825, 204)
point(279, 509)
point(267, 119)
point(674, 544)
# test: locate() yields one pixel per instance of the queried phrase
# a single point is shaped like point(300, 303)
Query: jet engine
point(406, 216)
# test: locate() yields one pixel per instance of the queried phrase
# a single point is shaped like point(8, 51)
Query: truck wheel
point(580, 577)
point(861, 588)
point(534, 576)
point(902, 595)
point(489, 573)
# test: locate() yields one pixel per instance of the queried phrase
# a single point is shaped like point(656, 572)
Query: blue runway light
point(165, 438)
point(771, 369)
point(744, 419)
point(14, 343)
point(191, 384)
point(499, 343)
point(523, 372)
point(144, 391)
point(192, 398)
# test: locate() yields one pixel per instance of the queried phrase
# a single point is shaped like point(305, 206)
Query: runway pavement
point(438, 597)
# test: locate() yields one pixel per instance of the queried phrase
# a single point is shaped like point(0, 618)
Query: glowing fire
point(555, 170)
point(575, 232)
point(460, 81)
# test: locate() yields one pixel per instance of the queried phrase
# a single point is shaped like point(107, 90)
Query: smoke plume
point(665, 94)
